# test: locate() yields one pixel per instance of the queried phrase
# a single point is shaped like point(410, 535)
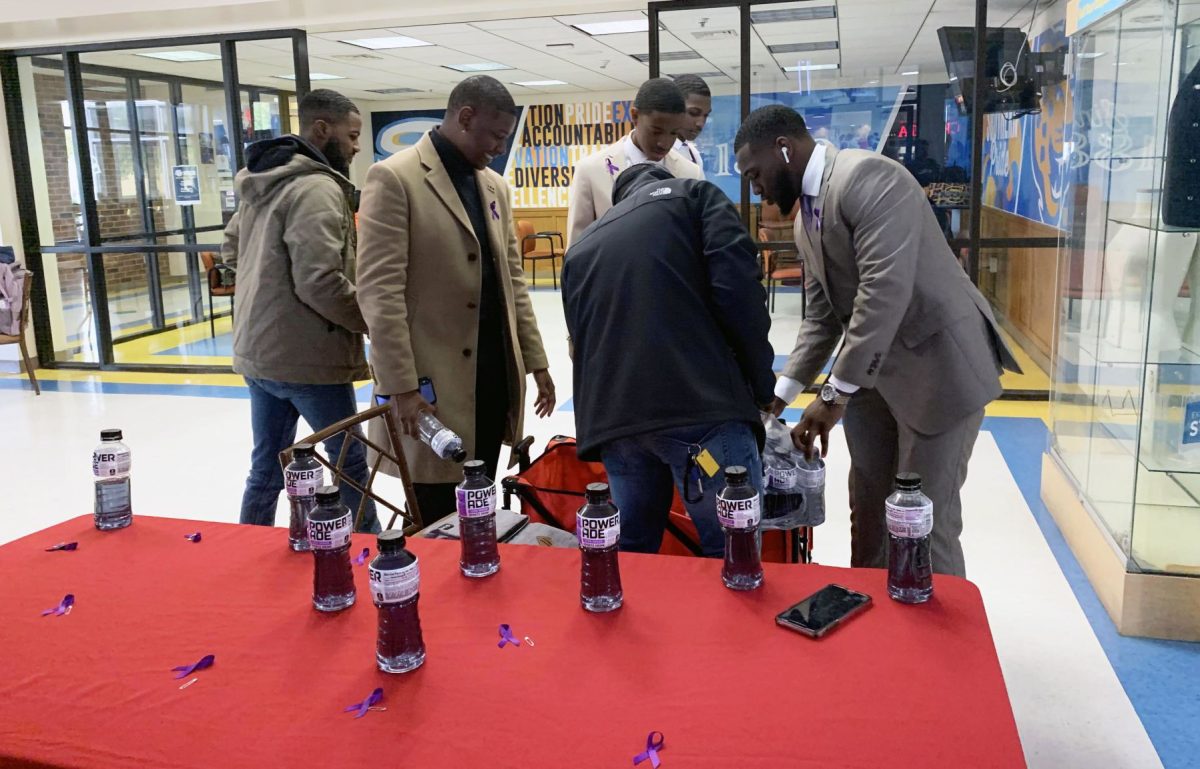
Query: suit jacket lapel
point(812, 221)
point(438, 178)
point(495, 224)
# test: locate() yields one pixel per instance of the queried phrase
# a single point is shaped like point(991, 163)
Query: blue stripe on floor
point(1160, 677)
point(362, 393)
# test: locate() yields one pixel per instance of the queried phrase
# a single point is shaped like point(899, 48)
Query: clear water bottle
point(910, 524)
point(329, 527)
point(444, 441)
point(396, 588)
point(111, 460)
point(598, 526)
point(811, 477)
point(476, 501)
point(783, 499)
point(302, 477)
point(739, 513)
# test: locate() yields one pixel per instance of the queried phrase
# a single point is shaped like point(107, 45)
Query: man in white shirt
point(698, 105)
point(658, 113)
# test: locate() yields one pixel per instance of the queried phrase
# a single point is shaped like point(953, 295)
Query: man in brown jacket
point(297, 334)
point(443, 292)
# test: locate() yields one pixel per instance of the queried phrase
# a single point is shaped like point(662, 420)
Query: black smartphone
point(823, 610)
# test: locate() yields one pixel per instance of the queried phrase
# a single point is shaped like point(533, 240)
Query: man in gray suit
point(921, 356)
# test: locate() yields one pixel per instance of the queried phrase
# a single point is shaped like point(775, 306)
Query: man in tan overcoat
point(441, 286)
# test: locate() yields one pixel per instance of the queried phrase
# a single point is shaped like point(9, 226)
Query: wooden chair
point(216, 287)
point(529, 251)
point(782, 266)
point(353, 428)
point(19, 338)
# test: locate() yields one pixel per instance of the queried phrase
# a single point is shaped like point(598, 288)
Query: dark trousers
point(491, 420)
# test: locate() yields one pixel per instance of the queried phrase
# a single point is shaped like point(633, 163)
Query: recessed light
point(313, 76)
point(614, 27)
point(910, 73)
point(794, 14)
point(478, 66)
point(540, 83)
point(180, 56)
point(669, 56)
point(872, 82)
point(387, 91)
point(386, 43)
point(809, 67)
point(823, 45)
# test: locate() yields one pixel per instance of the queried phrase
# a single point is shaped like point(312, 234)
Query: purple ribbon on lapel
point(63, 546)
point(612, 167)
point(64, 606)
point(192, 537)
point(361, 558)
point(365, 705)
point(492, 208)
point(816, 215)
point(507, 637)
point(203, 663)
point(653, 745)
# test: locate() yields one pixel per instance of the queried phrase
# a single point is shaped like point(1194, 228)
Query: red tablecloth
point(899, 686)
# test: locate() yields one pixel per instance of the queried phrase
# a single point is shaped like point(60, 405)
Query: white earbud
point(786, 158)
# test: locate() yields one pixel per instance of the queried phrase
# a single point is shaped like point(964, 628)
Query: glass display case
point(1126, 397)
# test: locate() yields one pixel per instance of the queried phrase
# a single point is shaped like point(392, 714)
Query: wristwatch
point(833, 396)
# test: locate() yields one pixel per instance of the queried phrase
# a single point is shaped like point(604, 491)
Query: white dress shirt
point(634, 155)
point(786, 388)
point(691, 153)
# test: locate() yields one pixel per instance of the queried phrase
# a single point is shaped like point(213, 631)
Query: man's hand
point(544, 405)
point(778, 405)
point(407, 408)
point(819, 418)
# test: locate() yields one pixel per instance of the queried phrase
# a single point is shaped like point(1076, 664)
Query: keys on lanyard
point(700, 464)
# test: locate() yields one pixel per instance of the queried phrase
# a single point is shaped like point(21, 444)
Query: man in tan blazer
point(443, 293)
point(922, 355)
point(658, 113)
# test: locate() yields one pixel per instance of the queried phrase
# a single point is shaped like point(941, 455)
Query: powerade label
point(598, 533)
point(303, 483)
point(476, 503)
point(107, 463)
point(812, 477)
point(330, 535)
point(783, 477)
point(395, 585)
point(909, 522)
point(739, 513)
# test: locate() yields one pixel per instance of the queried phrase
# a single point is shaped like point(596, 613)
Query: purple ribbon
point(63, 607)
point(492, 208)
point(507, 637)
point(192, 537)
point(365, 705)
point(361, 558)
point(612, 167)
point(204, 663)
point(817, 219)
point(63, 546)
point(652, 747)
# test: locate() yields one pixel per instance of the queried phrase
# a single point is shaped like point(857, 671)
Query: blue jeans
point(275, 408)
point(644, 470)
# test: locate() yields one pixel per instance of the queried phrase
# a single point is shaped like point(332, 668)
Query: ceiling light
point(478, 66)
point(540, 83)
point(387, 43)
point(809, 67)
point(910, 73)
point(313, 76)
point(614, 27)
point(703, 75)
point(180, 56)
point(669, 56)
point(388, 91)
point(1091, 55)
point(793, 14)
point(824, 45)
